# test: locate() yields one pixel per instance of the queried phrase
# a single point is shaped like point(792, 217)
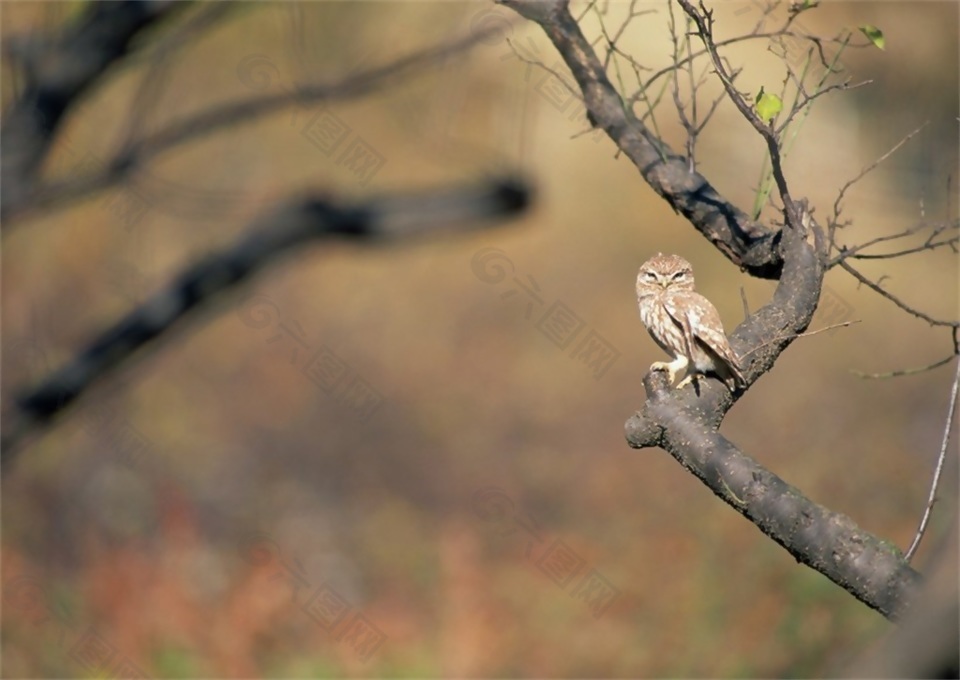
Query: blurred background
point(409, 460)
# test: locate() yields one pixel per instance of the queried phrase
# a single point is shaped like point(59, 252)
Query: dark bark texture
point(684, 422)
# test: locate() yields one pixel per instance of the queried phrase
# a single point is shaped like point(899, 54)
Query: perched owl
point(684, 323)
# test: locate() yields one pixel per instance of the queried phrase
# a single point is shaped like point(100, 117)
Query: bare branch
point(742, 240)
point(894, 299)
point(704, 22)
point(829, 542)
point(932, 498)
point(902, 372)
point(59, 71)
point(290, 225)
point(133, 155)
point(837, 209)
point(930, 243)
point(805, 334)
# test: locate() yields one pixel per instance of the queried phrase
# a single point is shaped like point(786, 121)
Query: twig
point(852, 252)
point(842, 324)
point(53, 194)
point(932, 498)
point(902, 372)
point(894, 299)
point(837, 209)
point(704, 23)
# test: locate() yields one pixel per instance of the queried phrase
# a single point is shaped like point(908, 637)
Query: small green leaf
point(802, 6)
point(875, 35)
point(768, 105)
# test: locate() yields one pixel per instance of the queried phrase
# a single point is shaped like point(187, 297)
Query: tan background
point(235, 445)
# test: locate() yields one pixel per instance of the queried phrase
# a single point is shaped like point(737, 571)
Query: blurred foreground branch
point(290, 225)
point(28, 133)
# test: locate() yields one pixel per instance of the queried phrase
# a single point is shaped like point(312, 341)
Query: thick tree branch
point(685, 422)
point(685, 425)
point(743, 241)
point(873, 571)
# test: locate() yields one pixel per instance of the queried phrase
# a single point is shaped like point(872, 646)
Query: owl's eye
point(679, 275)
point(650, 276)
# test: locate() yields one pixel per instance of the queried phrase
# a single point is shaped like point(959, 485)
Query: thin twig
point(903, 371)
point(932, 498)
point(837, 209)
point(704, 23)
point(56, 193)
point(852, 251)
point(842, 324)
point(894, 299)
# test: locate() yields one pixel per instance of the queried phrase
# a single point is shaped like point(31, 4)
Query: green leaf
point(875, 35)
point(768, 105)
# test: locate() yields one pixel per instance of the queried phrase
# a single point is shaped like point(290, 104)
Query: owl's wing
point(701, 320)
point(677, 309)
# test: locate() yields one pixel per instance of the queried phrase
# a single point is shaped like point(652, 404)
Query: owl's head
point(664, 273)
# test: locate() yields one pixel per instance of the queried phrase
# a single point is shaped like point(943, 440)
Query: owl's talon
point(664, 366)
point(671, 367)
point(689, 379)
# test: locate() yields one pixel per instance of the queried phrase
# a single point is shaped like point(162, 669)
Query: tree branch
point(290, 225)
point(870, 569)
point(34, 197)
point(59, 72)
point(934, 485)
point(743, 241)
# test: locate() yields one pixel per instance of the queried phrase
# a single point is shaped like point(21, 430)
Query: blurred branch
point(58, 71)
point(743, 241)
point(288, 226)
point(934, 485)
point(135, 153)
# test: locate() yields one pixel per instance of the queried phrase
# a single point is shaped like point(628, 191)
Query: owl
point(684, 323)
